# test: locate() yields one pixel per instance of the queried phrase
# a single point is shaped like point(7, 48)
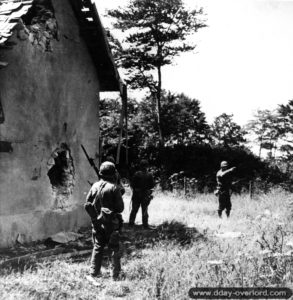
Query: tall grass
point(191, 247)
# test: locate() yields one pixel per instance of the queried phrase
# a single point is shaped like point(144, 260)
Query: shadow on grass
point(133, 239)
point(167, 232)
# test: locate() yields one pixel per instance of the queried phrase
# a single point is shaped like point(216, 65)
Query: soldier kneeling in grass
point(223, 191)
point(104, 204)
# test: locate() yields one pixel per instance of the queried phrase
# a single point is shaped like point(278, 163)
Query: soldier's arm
point(151, 181)
point(88, 206)
point(228, 171)
point(218, 179)
point(118, 201)
point(134, 181)
point(91, 195)
point(120, 185)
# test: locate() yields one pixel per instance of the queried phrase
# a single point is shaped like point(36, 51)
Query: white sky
point(243, 60)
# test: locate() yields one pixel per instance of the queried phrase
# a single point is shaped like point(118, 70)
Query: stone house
point(54, 61)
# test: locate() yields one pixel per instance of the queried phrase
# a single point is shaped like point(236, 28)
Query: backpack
point(106, 217)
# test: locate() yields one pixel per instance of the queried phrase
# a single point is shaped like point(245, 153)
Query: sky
point(243, 60)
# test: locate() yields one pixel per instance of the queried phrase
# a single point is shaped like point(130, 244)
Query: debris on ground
point(78, 246)
point(63, 244)
point(65, 237)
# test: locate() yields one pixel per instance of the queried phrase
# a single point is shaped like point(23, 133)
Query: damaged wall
point(50, 106)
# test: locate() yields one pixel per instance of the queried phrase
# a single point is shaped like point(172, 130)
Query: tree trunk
point(158, 104)
point(260, 147)
point(164, 178)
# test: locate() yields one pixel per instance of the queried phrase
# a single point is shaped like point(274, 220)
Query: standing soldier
point(142, 184)
point(118, 177)
point(224, 183)
point(104, 204)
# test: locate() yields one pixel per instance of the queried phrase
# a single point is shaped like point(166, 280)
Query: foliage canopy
point(156, 32)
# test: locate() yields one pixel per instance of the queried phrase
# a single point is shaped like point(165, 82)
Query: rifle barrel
point(90, 160)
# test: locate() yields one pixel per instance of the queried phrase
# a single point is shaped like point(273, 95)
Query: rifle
point(90, 160)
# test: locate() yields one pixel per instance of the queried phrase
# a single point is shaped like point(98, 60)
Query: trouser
point(224, 203)
point(139, 199)
point(101, 238)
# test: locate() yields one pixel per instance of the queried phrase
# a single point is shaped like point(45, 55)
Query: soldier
point(142, 184)
point(224, 182)
point(104, 204)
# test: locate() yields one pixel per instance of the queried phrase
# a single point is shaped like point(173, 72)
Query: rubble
point(78, 246)
point(61, 175)
point(64, 245)
point(41, 27)
point(65, 237)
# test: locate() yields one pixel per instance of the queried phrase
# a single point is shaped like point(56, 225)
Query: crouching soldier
point(104, 204)
point(223, 191)
point(142, 184)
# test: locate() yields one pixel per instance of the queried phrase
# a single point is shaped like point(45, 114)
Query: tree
point(157, 32)
point(287, 157)
point(265, 126)
point(110, 112)
point(227, 133)
point(285, 127)
point(285, 120)
point(182, 119)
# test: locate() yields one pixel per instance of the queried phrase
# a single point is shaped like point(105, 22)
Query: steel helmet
point(224, 164)
point(107, 169)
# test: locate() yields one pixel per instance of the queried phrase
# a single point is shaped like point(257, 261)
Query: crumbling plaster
point(40, 92)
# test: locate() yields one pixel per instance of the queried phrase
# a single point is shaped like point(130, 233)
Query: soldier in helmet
point(224, 182)
point(111, 159)
point(104, 204)
point(142, 184)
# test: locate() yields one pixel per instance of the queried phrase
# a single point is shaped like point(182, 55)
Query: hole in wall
point(41, 25)
point(62, 175)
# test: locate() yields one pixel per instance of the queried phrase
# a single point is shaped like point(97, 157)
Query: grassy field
point(190, 247)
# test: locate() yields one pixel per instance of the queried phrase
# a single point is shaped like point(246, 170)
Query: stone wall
point(49, 100)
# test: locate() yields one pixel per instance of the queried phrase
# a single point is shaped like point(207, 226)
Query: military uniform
point(224, 183)
point(107, 201)
point(141, 184)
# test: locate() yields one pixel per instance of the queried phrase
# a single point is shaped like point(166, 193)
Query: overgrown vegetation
point(191, 247)
point(164, 126)
point(193, 148)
